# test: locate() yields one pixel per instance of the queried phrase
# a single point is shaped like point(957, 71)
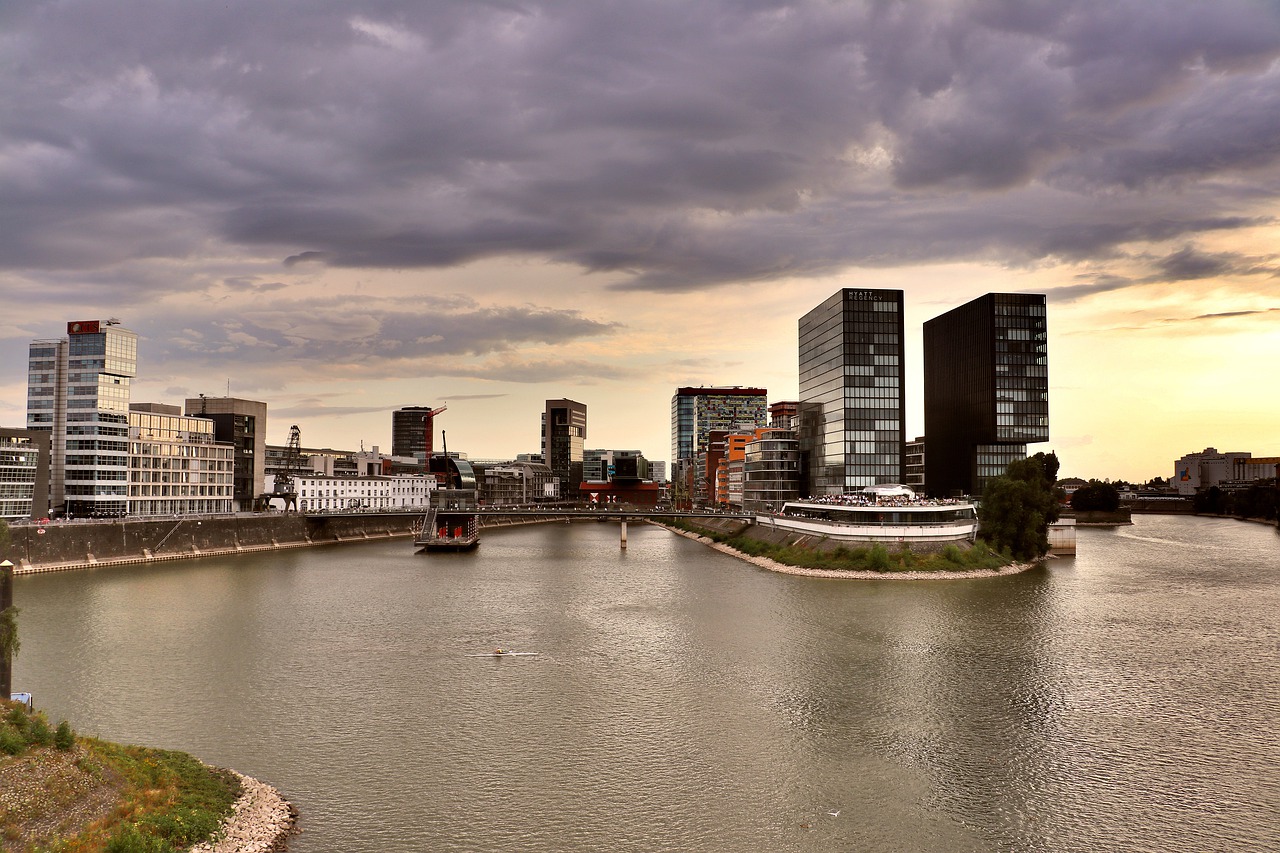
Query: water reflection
point(684, 700)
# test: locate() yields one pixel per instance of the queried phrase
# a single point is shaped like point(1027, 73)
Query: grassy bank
point(856, 558)
point(65, 794)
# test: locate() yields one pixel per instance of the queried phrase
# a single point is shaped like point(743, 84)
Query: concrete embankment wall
point(79, 545)
point(75, 545)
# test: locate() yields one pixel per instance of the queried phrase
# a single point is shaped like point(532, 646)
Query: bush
point(11, 741)
point(878, 558)
point(952, 554)
point(64, 738)
point(39, 733)
point(129, 839)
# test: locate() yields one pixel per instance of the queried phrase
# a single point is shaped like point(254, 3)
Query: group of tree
point(1097, 496)
point(1018, 507)
point(1257, 501)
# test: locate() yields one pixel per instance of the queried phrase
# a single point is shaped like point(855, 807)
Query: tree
point(1018, 507)
point(1096, 496)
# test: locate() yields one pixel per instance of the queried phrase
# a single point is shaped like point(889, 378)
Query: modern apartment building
point(770, 469)
point(852, 408)
point(564, 433)
point(24, 474)
point(78, 393)
point(986, 389)
point(242, 424)
point(177, 466)
point(696, 413)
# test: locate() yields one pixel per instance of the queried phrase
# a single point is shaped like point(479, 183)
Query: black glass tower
point(986, 389)
point(852, 406)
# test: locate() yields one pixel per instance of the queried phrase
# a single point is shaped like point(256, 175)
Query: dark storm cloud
point(445, 336)
point(686, 145)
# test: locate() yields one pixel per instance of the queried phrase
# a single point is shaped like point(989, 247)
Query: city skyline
point(491, 207)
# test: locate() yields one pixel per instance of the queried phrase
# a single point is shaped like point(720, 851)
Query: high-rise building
point(413, 431)
point(564, 433)
point(852, 402)
point(78, 392)
point(243, 424)
point(986, 389)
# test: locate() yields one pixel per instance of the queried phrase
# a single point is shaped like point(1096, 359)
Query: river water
point(1126, 699)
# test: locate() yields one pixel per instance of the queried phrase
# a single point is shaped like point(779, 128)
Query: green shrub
point(64, 738)
point(11, 740)
point(130, 839)
point(878, 558)
point(17, 717)
point(952, 554)
point(39, 733)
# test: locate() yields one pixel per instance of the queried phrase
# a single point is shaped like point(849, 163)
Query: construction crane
point(286, 484)
point(428, 434)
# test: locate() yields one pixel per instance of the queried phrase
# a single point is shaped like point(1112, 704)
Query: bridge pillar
point(624, 534)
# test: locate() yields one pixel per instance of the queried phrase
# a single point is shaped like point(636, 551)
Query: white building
point(321, 493)
point(175, 465)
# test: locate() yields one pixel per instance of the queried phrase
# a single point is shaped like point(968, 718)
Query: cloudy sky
point(344, 208)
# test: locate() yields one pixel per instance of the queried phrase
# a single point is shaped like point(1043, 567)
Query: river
point(1125, 699)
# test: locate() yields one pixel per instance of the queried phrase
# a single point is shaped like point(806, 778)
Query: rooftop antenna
point(113, 321)
point(228, 386)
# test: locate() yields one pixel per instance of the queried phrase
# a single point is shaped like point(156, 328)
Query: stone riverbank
point(262, 822)
point(783, 568)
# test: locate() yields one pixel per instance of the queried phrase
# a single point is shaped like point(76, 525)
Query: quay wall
point(77, 545)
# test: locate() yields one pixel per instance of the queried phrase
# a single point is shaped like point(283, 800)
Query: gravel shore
point(783, 568)
point(261, 823)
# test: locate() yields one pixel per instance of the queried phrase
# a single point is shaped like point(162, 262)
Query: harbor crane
point(428, 434)
point(286, 481)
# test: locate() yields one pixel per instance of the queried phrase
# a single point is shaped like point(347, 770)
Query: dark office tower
point(409, 430)
point(852, 405)
point(986, 389)
point(564, 433)
point(242, 423)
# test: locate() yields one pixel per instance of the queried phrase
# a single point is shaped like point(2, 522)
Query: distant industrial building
point(24, 474)
point(986, 389)
point(564, 433)
point(852, 407)
point(78, 393)
point(1209, 468)
point(243, 425)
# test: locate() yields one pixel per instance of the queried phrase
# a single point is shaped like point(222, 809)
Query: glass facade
point(78, 390)
point(852, 407)
point(21, 472)
point(986, 374)
point(770, 470)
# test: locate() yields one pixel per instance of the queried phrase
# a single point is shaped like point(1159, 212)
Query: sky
point(346, 208)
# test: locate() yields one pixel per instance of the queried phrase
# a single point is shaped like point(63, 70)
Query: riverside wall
point(77, 545)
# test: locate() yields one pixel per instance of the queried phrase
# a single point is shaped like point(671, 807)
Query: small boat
point(503, 653)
